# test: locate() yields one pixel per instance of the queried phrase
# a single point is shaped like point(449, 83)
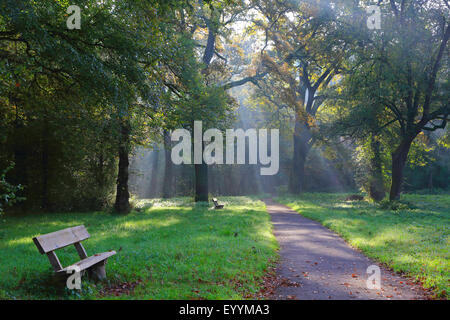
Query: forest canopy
point(86, 115)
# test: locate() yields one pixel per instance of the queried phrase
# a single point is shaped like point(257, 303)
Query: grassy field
point(167, 250)
point(414, 239)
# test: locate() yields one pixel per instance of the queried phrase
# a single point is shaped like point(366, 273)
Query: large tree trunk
point(201, 182)
point(45, 171)
point(122, 204)
point(302, 146)
point(154, 190)
point(168, 172)
point(399, 157)
point(201, 177)
point(376, 185)
point(201, 170)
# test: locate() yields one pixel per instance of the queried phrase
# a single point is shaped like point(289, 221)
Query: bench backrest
point(60, 239)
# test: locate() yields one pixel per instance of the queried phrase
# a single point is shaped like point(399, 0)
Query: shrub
point(8, 192)
point(396, 205)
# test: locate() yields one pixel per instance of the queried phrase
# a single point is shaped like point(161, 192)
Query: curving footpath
point(317, 264)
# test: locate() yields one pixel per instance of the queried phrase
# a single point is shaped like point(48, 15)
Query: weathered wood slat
point(81, 251)
point(54, 260)
point(60, 239)
point(90, 261)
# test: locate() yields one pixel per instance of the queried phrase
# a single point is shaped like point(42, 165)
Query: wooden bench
point(216, 204)
point(50, 242)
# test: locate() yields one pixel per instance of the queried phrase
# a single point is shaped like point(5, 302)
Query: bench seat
point(89, 261)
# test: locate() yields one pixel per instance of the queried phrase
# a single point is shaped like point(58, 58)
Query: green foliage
point(62, 92)
point(395, 85)
point(396, 205)
point(444, 140)
point(364, 157)
point(8, 192)
point(66, 95)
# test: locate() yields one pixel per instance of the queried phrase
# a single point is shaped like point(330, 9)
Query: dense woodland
point(358, 109)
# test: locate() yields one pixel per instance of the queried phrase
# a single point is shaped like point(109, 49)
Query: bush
point(281, 190)
point(396, 205)
point(8, 191)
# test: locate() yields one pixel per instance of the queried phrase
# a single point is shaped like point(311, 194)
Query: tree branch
point(432, 81)
point(253, 79)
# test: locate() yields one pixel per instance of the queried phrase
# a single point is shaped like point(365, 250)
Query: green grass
point(177, 250)
point(412, 241)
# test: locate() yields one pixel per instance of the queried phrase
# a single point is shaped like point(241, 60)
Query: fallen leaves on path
point(288, 283)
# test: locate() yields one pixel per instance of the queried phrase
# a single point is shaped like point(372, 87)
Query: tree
point(202, 84)
point(422, 101)
point(307, 46)
point(51, 77)
point(410, 89)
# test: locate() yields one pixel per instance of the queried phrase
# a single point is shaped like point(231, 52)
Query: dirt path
point(317, 264)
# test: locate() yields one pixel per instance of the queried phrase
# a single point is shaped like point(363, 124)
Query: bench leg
point(98, 271)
